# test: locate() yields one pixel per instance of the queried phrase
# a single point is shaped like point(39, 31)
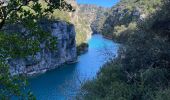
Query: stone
point(48, 59)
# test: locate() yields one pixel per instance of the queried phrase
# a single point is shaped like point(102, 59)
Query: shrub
point(142, 69)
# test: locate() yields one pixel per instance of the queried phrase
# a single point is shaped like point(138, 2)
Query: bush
point(127, 12)
point(122, 33)
point(82, 48)
point(142, 69)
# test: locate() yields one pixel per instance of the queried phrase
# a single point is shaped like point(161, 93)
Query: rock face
point(100, 17)
point(94, 15)
point(87, 18)
point(48, 59)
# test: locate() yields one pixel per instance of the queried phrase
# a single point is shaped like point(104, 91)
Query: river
point(63, 82)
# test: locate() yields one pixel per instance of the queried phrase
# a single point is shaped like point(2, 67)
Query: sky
point(104, 3)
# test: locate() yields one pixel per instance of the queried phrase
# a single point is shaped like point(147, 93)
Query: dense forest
point(141, 70)
point(124, 17)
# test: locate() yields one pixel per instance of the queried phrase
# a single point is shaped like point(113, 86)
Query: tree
point(9, 9)
point(26, 14)
point(142, 69)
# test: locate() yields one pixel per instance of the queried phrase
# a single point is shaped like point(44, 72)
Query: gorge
point(65, 81)
point(69, 36)
point(77, 50)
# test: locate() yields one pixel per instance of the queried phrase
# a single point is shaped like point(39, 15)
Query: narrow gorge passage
point(64, 81)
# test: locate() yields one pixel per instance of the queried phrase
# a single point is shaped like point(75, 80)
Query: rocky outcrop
point(48, 59)
point(97, 23)
point(94, 16)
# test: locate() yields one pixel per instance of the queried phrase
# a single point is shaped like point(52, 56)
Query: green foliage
point(80, 36)
point(11, 86)
point(83, 47)
point(162, 94)
point(13, 46)
point(122, 33)
point(125, 13)
point(61, 15)
point(142, 69)
point(101, 15)
point(20, 36)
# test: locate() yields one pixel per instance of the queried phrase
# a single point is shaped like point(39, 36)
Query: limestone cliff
point(100, 17)
point(48, 59)
point(93, 15)
point(67, 39)
point(83, 18)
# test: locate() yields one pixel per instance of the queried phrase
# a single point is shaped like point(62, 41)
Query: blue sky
point(104, 3)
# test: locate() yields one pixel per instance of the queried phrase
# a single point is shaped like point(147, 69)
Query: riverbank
point(58, 83)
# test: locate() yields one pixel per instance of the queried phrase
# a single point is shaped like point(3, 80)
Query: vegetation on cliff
point(123, 17)
point(21, 34)
point(101, 15)
point(82, 48)
point(87, 19)
point(26, 16)
point(141, 71)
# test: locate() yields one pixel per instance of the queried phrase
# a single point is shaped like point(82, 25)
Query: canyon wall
point(48, 59)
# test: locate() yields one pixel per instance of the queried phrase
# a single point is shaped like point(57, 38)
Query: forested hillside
point(142, 69)
point(123, 17)
point(101, 15)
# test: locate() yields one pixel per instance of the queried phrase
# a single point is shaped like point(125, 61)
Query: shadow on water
point(54, 84)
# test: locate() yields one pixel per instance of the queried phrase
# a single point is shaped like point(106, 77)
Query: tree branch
point(6, 12)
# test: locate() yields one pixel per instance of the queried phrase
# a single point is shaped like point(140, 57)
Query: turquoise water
point(64, 82)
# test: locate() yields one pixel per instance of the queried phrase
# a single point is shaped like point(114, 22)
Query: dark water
point(65, 81)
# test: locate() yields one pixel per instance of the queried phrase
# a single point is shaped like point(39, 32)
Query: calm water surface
point(63, 82)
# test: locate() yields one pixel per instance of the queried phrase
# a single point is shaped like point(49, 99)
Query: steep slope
point(124, 16)
point(59, 27)
point(86, 19)
point(91, 15)
point(82, 25)
point(98, 22)
point(142, 69)
point(47, 58)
